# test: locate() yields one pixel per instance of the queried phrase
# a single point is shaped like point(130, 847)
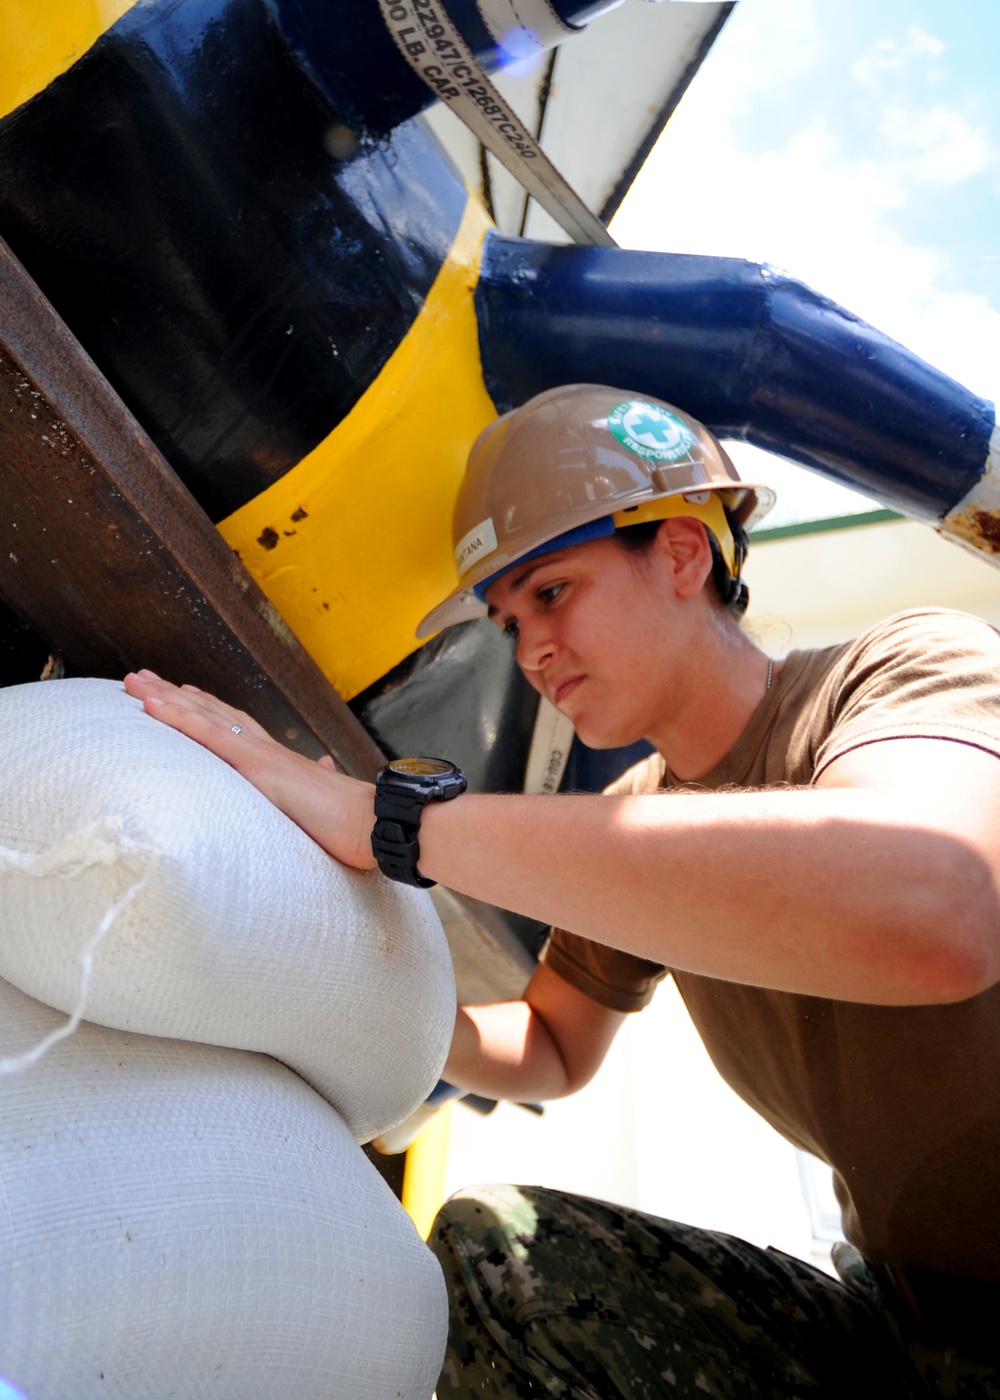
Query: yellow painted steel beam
point(424, 1175)
point(353, 545)
point(39, 39)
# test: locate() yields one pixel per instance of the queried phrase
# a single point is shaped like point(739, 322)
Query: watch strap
point(399, 805)
point(397, 850)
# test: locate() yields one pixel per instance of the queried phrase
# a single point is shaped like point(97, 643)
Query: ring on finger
point(237, 728)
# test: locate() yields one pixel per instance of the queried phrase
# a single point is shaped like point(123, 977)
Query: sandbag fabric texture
point(241, 931)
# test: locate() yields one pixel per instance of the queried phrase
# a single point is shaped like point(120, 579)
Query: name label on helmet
point(480, 541)
point(650, 431)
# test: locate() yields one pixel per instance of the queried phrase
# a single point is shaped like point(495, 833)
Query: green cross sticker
point(650, 431)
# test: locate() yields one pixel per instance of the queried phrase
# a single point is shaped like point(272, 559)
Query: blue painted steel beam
point(754, 354)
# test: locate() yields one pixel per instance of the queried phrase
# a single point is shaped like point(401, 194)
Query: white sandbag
point(183, 1221)
point(210, 916)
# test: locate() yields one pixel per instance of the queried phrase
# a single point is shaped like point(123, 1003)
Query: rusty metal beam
point(110, 558)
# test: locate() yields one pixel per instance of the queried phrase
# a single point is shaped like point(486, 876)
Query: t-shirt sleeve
point(620, 981)
point(928, 674)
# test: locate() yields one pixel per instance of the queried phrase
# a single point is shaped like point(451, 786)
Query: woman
point(813, 852)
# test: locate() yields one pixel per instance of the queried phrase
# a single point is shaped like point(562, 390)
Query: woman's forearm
point(881, 886)
point(832, 893)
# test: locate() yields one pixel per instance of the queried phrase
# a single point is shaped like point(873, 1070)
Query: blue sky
point(857, 145)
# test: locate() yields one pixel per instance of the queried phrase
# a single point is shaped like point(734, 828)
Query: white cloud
point(831, 217)
point(810, 206)
point(935, 146)
point(893, 55)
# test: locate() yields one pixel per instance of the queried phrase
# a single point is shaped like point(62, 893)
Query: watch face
point(422, 767)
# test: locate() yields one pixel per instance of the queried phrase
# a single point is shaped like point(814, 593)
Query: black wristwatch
point(402, 790)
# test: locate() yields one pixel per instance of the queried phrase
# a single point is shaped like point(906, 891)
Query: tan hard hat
point(578, 454)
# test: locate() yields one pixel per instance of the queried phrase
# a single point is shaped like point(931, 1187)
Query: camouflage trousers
point(558, 1295)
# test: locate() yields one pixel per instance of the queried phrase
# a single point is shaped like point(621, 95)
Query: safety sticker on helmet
point(650, 431)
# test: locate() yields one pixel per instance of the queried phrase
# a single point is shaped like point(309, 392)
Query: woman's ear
point(684, 544)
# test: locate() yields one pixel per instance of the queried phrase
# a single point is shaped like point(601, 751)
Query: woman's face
point(602, 634)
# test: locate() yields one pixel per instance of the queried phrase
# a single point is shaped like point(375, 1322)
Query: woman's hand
point(335, 810)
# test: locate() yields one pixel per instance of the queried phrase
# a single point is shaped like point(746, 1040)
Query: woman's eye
point(550, 593)
point(511, 628)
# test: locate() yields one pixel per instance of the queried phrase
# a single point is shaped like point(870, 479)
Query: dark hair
point(732, 593)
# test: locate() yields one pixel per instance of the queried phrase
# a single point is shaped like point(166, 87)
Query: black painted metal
point(109, 557)
point(345, 47)
point(461, 695)
point(174, 195)
point(24, 653)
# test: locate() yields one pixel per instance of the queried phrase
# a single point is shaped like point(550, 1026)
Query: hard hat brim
point(460, 606)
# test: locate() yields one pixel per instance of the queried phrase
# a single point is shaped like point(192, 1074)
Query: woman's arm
point(547, 1045)
point(879, 885)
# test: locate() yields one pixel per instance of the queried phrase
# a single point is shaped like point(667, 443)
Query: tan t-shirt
point(903, 1102)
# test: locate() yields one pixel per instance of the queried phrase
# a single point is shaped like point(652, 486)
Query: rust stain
point(987, 527)
point(267, 538)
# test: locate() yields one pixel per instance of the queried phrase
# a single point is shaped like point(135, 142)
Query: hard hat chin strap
point(733, 592)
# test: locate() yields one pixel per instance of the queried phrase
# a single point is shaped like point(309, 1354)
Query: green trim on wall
point(821, 527)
